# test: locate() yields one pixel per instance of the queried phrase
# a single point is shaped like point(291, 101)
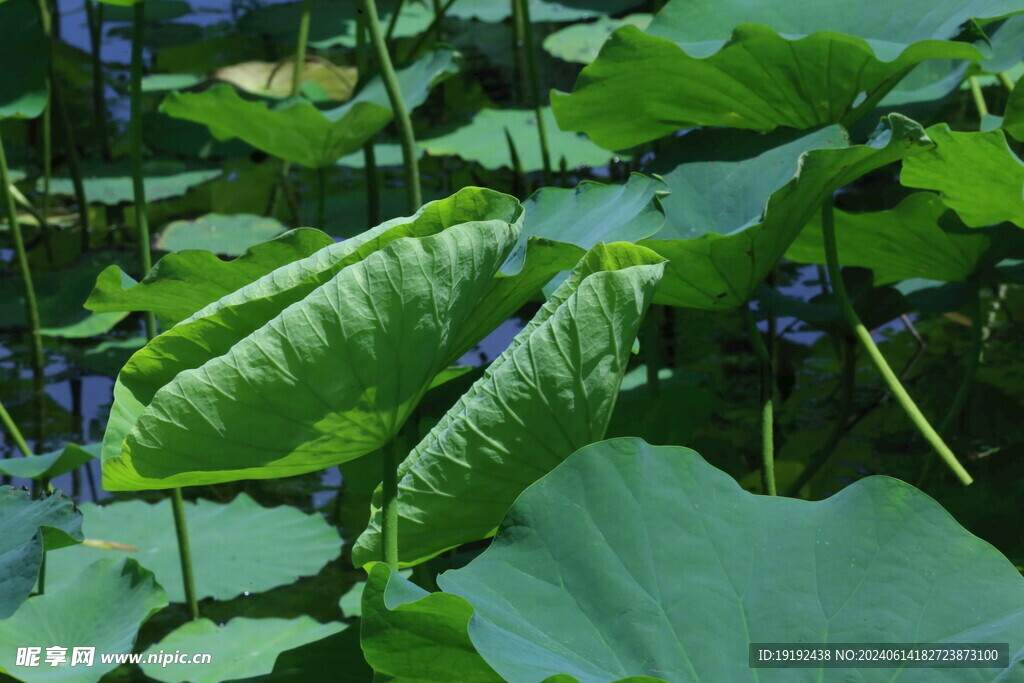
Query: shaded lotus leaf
point(241, 648)
point(550, 392)
point(156, 10)
point(237, 547)
point(541, 10)
point(274, 79)
point(581, 43)
point(112, 184)
point(335, 659)
point(760, 65)
point(103, 607)
point(723, 263)
point(24, 87)
point(229, 235)
point(164, 82)
point(989, 194)
point(296, 130)
point(687, 579)
point(331, 23)
point(331, 352)
point(920, 238)
point(181, 284)
point(50, 465)
point(27, 528)
point(483, 140)
point(591, 213)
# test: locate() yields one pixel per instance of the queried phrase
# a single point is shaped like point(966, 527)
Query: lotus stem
point(824, 454)
point(520, 181)
point(652, 350)
point(1005, 79)
point(372, 178)
point(177, 503)
point(94, 16)
point(300, 49)
point(15, 433)
point(979, 97)
point(862, 333)
point(44, 12)
point(321, 196)
point(524, 43)
point(414, 196)
point(389, 509)
point(31, 305)
point(433, 29)
point(437, 26)
point(73, 165)
point(393, 21)
point(764, 356)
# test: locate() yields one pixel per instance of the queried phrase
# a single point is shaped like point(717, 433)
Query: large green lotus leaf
point(214, 330)
point(331, 23)
point(540, 10)
point(720, 180)
point(296, 130)
point(412, 635)
point(27, 527)
point(721, 271)
point(920, 238)
point(550, 392)
point(181, 284)
point(102, 608)
point(637, 560)
point(582, 42)
point(976, 174)
point(25, 55)
point(330, 378)
point(228, 235)
point(483, 140)
point(241, 648)
point(237, 548)
point(760, 65)
point(50, 465)
point(591, 213)
point(113, 184)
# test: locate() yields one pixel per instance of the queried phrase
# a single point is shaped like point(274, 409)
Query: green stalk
point(369, 154)
point(321, 196)
point(31, 306)
point(94, 15)
point(824, 454)
point(437, 26)
point(73, 165)
point(433, 29)
point(520, 181)
point(15, 433)
point(767, 410)
point(414, 195)
point(652, 350)
point(524, 41)
point(177, 503)
point(393, 21)
point(44, 12)
point(862, 333)
point(300, 50)
point(979, 97)
point(1005, 79)
point(389, 511)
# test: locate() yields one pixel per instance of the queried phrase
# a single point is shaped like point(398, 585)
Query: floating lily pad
point(274, 79)
point(581, 43)
point(112, 184)
point(228, 235)
point(25, 55)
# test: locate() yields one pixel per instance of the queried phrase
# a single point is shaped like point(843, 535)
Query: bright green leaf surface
point(328, 379)
point(26, 527)
point(920, 238)
point(759, 65)
point(591, 213)
point(483, 140)
point(721, 271)
point(181, 284)
point(550, 392)
point(241, 648)
point(103, 607)
point(297, 131)
point(236, 548)
point(24, 54)
point(665, 536)
point(50, 465)
point(412, 635)
point(989, 193)
point(228, 235)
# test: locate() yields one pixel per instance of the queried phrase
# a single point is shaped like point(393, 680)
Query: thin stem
point(177, 503)
point(652, 350)
point(389, 479)
point(44, 12)
point(73, 163)
point(414, 195)
point(1005, 79)
point(372, 184)
point(862, 333)
point(94, 14)
point(184, 551)
point(433, 29)
point(393, 21)
point(979, 97)
point(321, 196)
point(767, 411)
point(31, 305)
point(300, 49)
point(524, 42)
point(15, 433)
point(520, 181)
point(824, 455)
point(438, 24)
